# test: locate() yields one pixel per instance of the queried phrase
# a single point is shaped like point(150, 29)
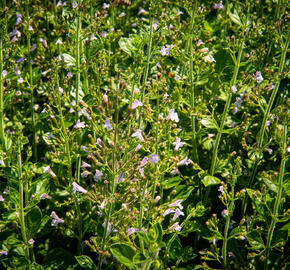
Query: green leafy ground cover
point(144, 134)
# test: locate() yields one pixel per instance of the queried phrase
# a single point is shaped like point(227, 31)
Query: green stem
point(192, 90)
point(34, 137)
point(2, 134)
point(278, 199)
point(78, 75)
point(266, 116)
point(113, 188)
point(224, 115)
point(21, 198)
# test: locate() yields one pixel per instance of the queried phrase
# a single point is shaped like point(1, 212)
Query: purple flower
point(138, 134)
point(98, 175)
point(155, 24)
point(69, 74)
point(164, 51)
point(1, 198)
point(85, 174)
point(214, 241)
point(199, 42)
point(271, 86)
point(102, 205)
point(44, 196)
point(58, 42)
point(132, 230)
point(109, 228)
point(234, 89)
point(268, 123)
point(105, 6)
point(108, 124)
point(79, 124)
point(173, 116)
point(49, 170)
point(168, 211)
point(55, 219)
point(258, 77)
point(31, 241)
point(144, 161)
point(185, 161)
point(120, 178)
point(136, 104)
point(178, 143)
point(177, 213)
point(221, 189)
point(138, 147)
point(18, 18)
point(176, 203)
point(78, 188)
point(175, 227)
point(74, 4)
point(225, 212)
point(4, 252)
point(141, 171)
point(85, 165)
point(219, 5)
point(154, 158)
point(270, 151)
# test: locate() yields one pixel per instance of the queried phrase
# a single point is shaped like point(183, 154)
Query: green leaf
point(96, 46)
point(33, 219)
point(155, 233)
point(36, 266)
point(86, 262)
point(140, 258)
point(172, 182)
point(143, 237)
point(123, 253)
point(210, 180)
point(235, 18)
point(59, 259)
point(69, 60)
point(209, 123)
point(255, 240)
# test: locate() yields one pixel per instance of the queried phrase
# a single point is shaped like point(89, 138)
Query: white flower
point(102, 205)
point(31, 241)
point(164, 51)
point(234, 89)
point(204, 50)
point(208, 58)
point(225, 212)
point(75, 4)
point(85, 165)
point(200, 42)
point(138, 147)
point(58, 42)
point(138, 134)
point(132, 230)
point(105, 6)
point(1, 198)
point(258, 77)
point(49, 170)
point(175, 227)
point(168, 211)
point(185, 161)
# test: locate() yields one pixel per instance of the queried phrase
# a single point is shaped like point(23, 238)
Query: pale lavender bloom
point(185, 161)
point(58, 42)
point(175, 171)
point(49, 170)
point(18, 18)
point(69, 74)
point(144, 161)
point(219, 5)
point(79, 124)
point(85, 165)
point(134, 24)
point(120, 178)
point(43, 196)
point(270, 151)
point(85, 113)
point(242, 237)
point(102, 205)
point(4, 252)
point(141, 171)
point(17, 71)
point(4, 73)
point(33, 47)
point(204, 50)
point(109, 228)
point(221, 189)
point(225, 212)
point(176, 203)
point(18, 93)
point(164, 51)
point(99, 142)
point(138, 134)
point(108, 124)
point(165, 96)
point(20, 60)
point(136, 104)
point(268, 123)
point(85, 174)
point(138, 147)
point(132, 230)
point(271, 86)
point(55, 219)
point(98, 175)
point(168, 211)
point(105, 6)
point(84, 148)
point(258, 77)
point(78, 188)
point(141, 11)
point(59, 3)
point(178, 143)
point(20, 80)
point(199, 42)
point(173, 116)
point(30, 28)
point(155, 24)
point(93, 37)
point(103, 34)
point(1, 198)
point(154, 159)
point(74, 4)
point(2, 163)
point(177, 213)
point(122, 14)
point(175, 227)
point(31, 241)
point(44, 42)
point(214, 241)
point(234, 89)
point(208, 58)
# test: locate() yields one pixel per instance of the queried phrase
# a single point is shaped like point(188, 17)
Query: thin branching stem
point(2, 134)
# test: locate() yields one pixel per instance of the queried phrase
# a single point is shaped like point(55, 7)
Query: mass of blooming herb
point(144, 134)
